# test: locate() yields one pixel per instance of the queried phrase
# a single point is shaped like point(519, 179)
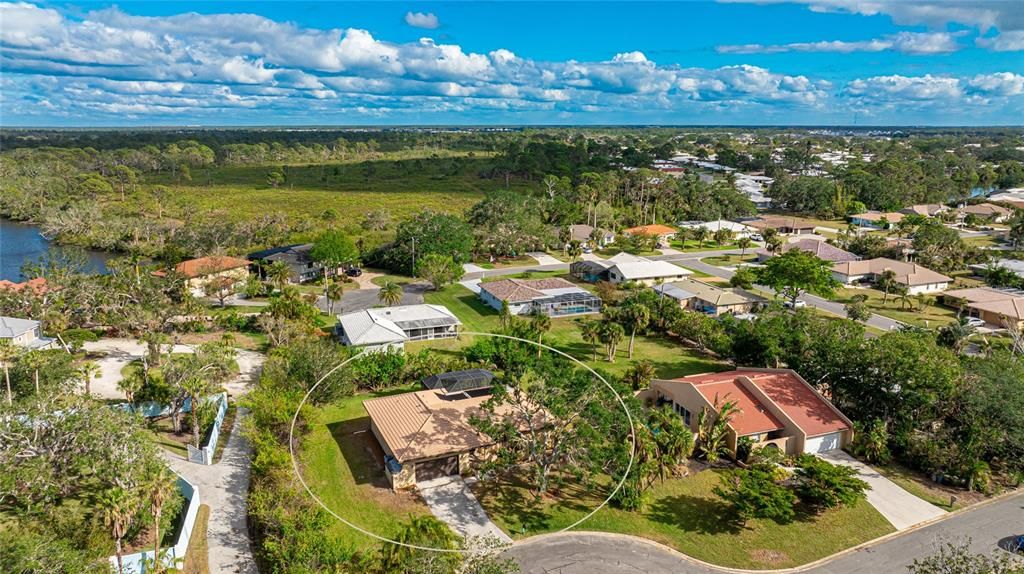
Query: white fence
point(136, 563)
point(204, 454)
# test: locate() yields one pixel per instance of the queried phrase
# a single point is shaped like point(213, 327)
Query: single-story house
point(987, 211)
point(925, 209)
point(1015, 266)
point(877, 219)
point(296, 257)
point(594, 270)
point(776, 408)
point(25, 333)
point(710, 299)
point(738, 229)
point(554, 297)
point(997, 307)
point(821, 249)
point(214, 268)
point(784, 225)
point(662, 232)
point(646, 272)
point(37, 286)
point(427, 434)
point(917, 278)
point(584, 234)
point(392, 327)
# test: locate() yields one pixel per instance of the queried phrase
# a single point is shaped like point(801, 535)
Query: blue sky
point(806, 62)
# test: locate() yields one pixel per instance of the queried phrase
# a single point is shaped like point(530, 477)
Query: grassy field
point(708, 245)
point(730, 260)
point(506, 262)
point(342, 464)
point(933, 315)
point(351, 189)
point(669, 358)
point(685, 514)
point(197, 557)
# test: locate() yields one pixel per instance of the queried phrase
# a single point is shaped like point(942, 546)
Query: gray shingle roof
point(11, 327)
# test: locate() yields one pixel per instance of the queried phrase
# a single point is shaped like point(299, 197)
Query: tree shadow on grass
point(511, 497)
point(361, 451)
point(694, 514)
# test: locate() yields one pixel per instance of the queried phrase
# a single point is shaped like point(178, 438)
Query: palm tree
point(744, 243)
point(773, 243)
point(591, 333)
point(923, 301)
point(118, 508)
point(711, 429)
point(637, 316)
point(723, 236)
point(639, 375)
point(334, 292)
point(132, 384)
point(159, 487)
point(278, 274)
point(903, 294)
point(34, 360)
point(886, 281)
point(196, 387)
point(390, 293)
point(611, 334)
point(700, 234)
point(575, 250)
point(540, 323)
point(8, 353)
point(88, 371)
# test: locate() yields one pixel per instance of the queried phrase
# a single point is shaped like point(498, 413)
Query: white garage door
point(823, 443)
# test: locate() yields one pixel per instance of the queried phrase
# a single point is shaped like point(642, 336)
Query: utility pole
point(413, 256)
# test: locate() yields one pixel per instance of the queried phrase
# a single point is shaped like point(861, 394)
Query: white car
point(975, 322)
point(756, 237)
point(791, 305)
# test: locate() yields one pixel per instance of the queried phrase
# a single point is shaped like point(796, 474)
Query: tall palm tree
point(743, 243)
point(390, 293)
point(540, 323)
point(158, 487)
point(118, 508)
point(637, 317)
point(711, 429)
point(611, 335)
point(700, 234)
point(886, 281)
point(197, 387)
point(278, 274)
point(88, 371)
point(8, 353)
point(591, 333)
point(334, 292)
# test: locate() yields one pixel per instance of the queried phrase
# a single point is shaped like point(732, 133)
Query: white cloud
point(912, 88)
point(631, 57)
point(916, 43)
point(998, 84)
point(422, 20)
point(1005, 42)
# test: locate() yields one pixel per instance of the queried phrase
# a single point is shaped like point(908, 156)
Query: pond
point(22, 243)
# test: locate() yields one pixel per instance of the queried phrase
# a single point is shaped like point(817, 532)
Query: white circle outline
point(298, 473)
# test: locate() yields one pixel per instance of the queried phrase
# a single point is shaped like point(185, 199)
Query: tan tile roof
point(926, 209)
point(423, 424)
point(779, 222)
point(820, 249)
point(207, 265)
point(986, 209)
point(518, 290)
point(906, 273)
point(980, 294)
point(1012, 308)
point(656, 229)
point(876, 216)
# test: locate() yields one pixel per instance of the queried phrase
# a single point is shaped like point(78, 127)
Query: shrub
point(825, 485)
point(871, 441)
point(754, 493)
point(379, 370)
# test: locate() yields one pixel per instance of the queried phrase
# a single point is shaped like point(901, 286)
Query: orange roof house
point(774, 408)
point(656, 230)
point(38, 286)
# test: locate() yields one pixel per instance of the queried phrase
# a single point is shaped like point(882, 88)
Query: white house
point(917, 278)
point(392, 327)
point(646, 272)
point(24, 333)
point(738, 229)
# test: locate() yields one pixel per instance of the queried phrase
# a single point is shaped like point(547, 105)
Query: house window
point(681, 411)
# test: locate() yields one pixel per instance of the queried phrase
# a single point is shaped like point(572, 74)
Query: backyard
point(343, 465)
point(669, 358)
point(685, 514)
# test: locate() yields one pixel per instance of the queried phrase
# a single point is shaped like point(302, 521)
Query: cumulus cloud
point(427, 20)
point(915, 43)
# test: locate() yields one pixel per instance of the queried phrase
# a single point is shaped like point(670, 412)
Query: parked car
point(791, 305)
point(587, 250)
point(975, 322)
point(756, 237)
point(353, 272)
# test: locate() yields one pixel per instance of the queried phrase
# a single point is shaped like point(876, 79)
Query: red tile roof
point(809, 410)
point(752, 417)
point(37, 285)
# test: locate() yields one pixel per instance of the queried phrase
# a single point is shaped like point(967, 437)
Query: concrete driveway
point(898, 506)
point(451, 502)
point(543, 258)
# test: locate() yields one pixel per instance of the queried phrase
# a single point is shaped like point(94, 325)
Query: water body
point(21, 243)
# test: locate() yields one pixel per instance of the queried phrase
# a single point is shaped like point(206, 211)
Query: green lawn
point(670, 359)
point(708, 245)
point(520, 261)
point(730, 260)
point(530, 275)
point(932, 316)
point(684, 513)
point(342, 465)
point(400, 279)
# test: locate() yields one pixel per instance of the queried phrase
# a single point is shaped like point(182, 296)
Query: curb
point(803, 567)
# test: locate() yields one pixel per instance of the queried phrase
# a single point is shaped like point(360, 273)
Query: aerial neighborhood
point(333, 289)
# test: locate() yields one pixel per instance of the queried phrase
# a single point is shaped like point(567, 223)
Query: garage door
point(437, 468)
point(823, 443)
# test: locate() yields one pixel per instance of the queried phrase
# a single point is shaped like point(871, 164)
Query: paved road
point(595, 553)
point(223, 487)
point(359, 299)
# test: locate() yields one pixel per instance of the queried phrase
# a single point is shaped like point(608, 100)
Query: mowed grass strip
point(341, 463)
point(684, 513)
